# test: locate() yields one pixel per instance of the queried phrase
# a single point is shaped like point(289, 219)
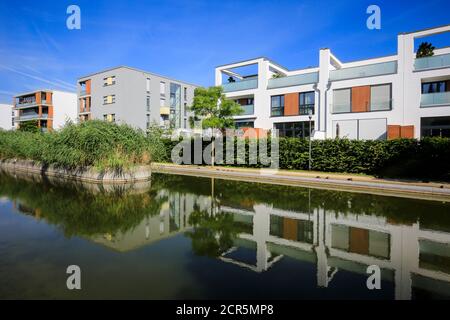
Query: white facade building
point(51, 109)
point(387, 97)
point(7, 115)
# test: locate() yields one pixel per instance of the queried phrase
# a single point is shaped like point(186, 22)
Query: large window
point(244, 124)
point(342, 101)
point(380, 97)
point(435, 127)
point(277, 106)
point(162, 88)
point(306, 103)
point(294, 129)
point(148, 104)
point(434, 87)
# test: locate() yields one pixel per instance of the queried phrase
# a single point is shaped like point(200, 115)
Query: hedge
point(426, 159)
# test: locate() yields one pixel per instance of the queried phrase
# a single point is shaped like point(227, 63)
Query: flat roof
point(138, 70)
point(426, 29)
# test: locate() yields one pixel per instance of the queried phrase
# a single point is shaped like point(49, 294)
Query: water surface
point(197, 238)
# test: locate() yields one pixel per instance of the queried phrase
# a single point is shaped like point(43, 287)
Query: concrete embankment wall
point(88, 174)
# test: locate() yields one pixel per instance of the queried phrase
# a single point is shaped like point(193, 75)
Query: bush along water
point(99, 144)
point(424, 159)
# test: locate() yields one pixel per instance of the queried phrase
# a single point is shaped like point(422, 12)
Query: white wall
point(6, 116)
point(64, 108)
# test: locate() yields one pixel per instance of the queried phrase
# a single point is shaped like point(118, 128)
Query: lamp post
point(310, 114)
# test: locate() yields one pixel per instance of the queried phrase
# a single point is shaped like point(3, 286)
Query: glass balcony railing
point(32, 116)
point(296, 80)
point(248, 110)
point(240, 85)
point(24, 104)
point(435, 99)
point(370, 70)
point(83, 92)
point(439, 61)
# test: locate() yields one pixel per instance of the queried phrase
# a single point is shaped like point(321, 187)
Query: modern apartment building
point(7, 117)
point(51, 109)
point(381, 98)
point(135, 97)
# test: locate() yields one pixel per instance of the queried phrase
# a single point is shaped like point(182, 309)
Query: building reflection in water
point(416, 259)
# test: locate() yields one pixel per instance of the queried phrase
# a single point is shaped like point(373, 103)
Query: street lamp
point(310, 114)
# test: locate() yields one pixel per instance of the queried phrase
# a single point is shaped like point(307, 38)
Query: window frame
point(281, 107)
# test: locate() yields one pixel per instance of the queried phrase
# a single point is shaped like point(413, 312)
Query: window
point(148, 121)
point(244, 124)
point(109, 99)
point(162, 88)
point(162, 102)
point(147, 85)
point(434, 87)
point(44, 97)
point(306, 103)
point(435, 127)
point(109, 81)
point(185, 109)
point(277, 106)
point(294, 129)
point(109, 117)
point(185, 93)
point(245, 101)
point(148, 103)
point(342, 100)
point(380, 97)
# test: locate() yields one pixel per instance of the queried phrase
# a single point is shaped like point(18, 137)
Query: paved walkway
point(348, 182)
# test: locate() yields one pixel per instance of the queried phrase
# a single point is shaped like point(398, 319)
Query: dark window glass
point(306, 103)
point(277, 106)
point(293, 129)
point(434, 87)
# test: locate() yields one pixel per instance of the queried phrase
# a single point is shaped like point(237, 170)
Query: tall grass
point(93, 143)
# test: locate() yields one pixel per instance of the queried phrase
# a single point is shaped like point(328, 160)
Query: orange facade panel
point(360, 99)
point(50, 111)
point(88, 86)
point(359, 241)
point(290, 229)
point(38, 97)
point(393, 132)
point(291, 104)
point(49, 97)
point(407, 132)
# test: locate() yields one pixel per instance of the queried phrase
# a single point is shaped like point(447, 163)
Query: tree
point(231, 79)
point(212, 107)
point(425, 49)
point(216, 111)
point(29, 126)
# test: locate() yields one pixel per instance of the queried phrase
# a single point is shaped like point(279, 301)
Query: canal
point(181, 237)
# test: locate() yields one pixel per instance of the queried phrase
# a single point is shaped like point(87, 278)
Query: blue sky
point(187, 39)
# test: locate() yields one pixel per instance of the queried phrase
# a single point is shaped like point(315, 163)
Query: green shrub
point(92, 143)
point(401, 158)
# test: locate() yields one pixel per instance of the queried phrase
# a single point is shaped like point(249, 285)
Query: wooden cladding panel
point(290, 229)
point(50, 111)
point(393, 132)
point(49, 97)
point(38, 97)
point(359, 241)
point(291, 104)
point(407, 132)
point(88, 86)
point(360, 99)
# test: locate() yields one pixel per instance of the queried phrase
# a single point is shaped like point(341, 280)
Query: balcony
point(297, 80)
point(434, 62)
point(32, 116)
point(371, 70)
point(435, 99)
point(240, 85)
point(25, 104)
point(249, 109)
